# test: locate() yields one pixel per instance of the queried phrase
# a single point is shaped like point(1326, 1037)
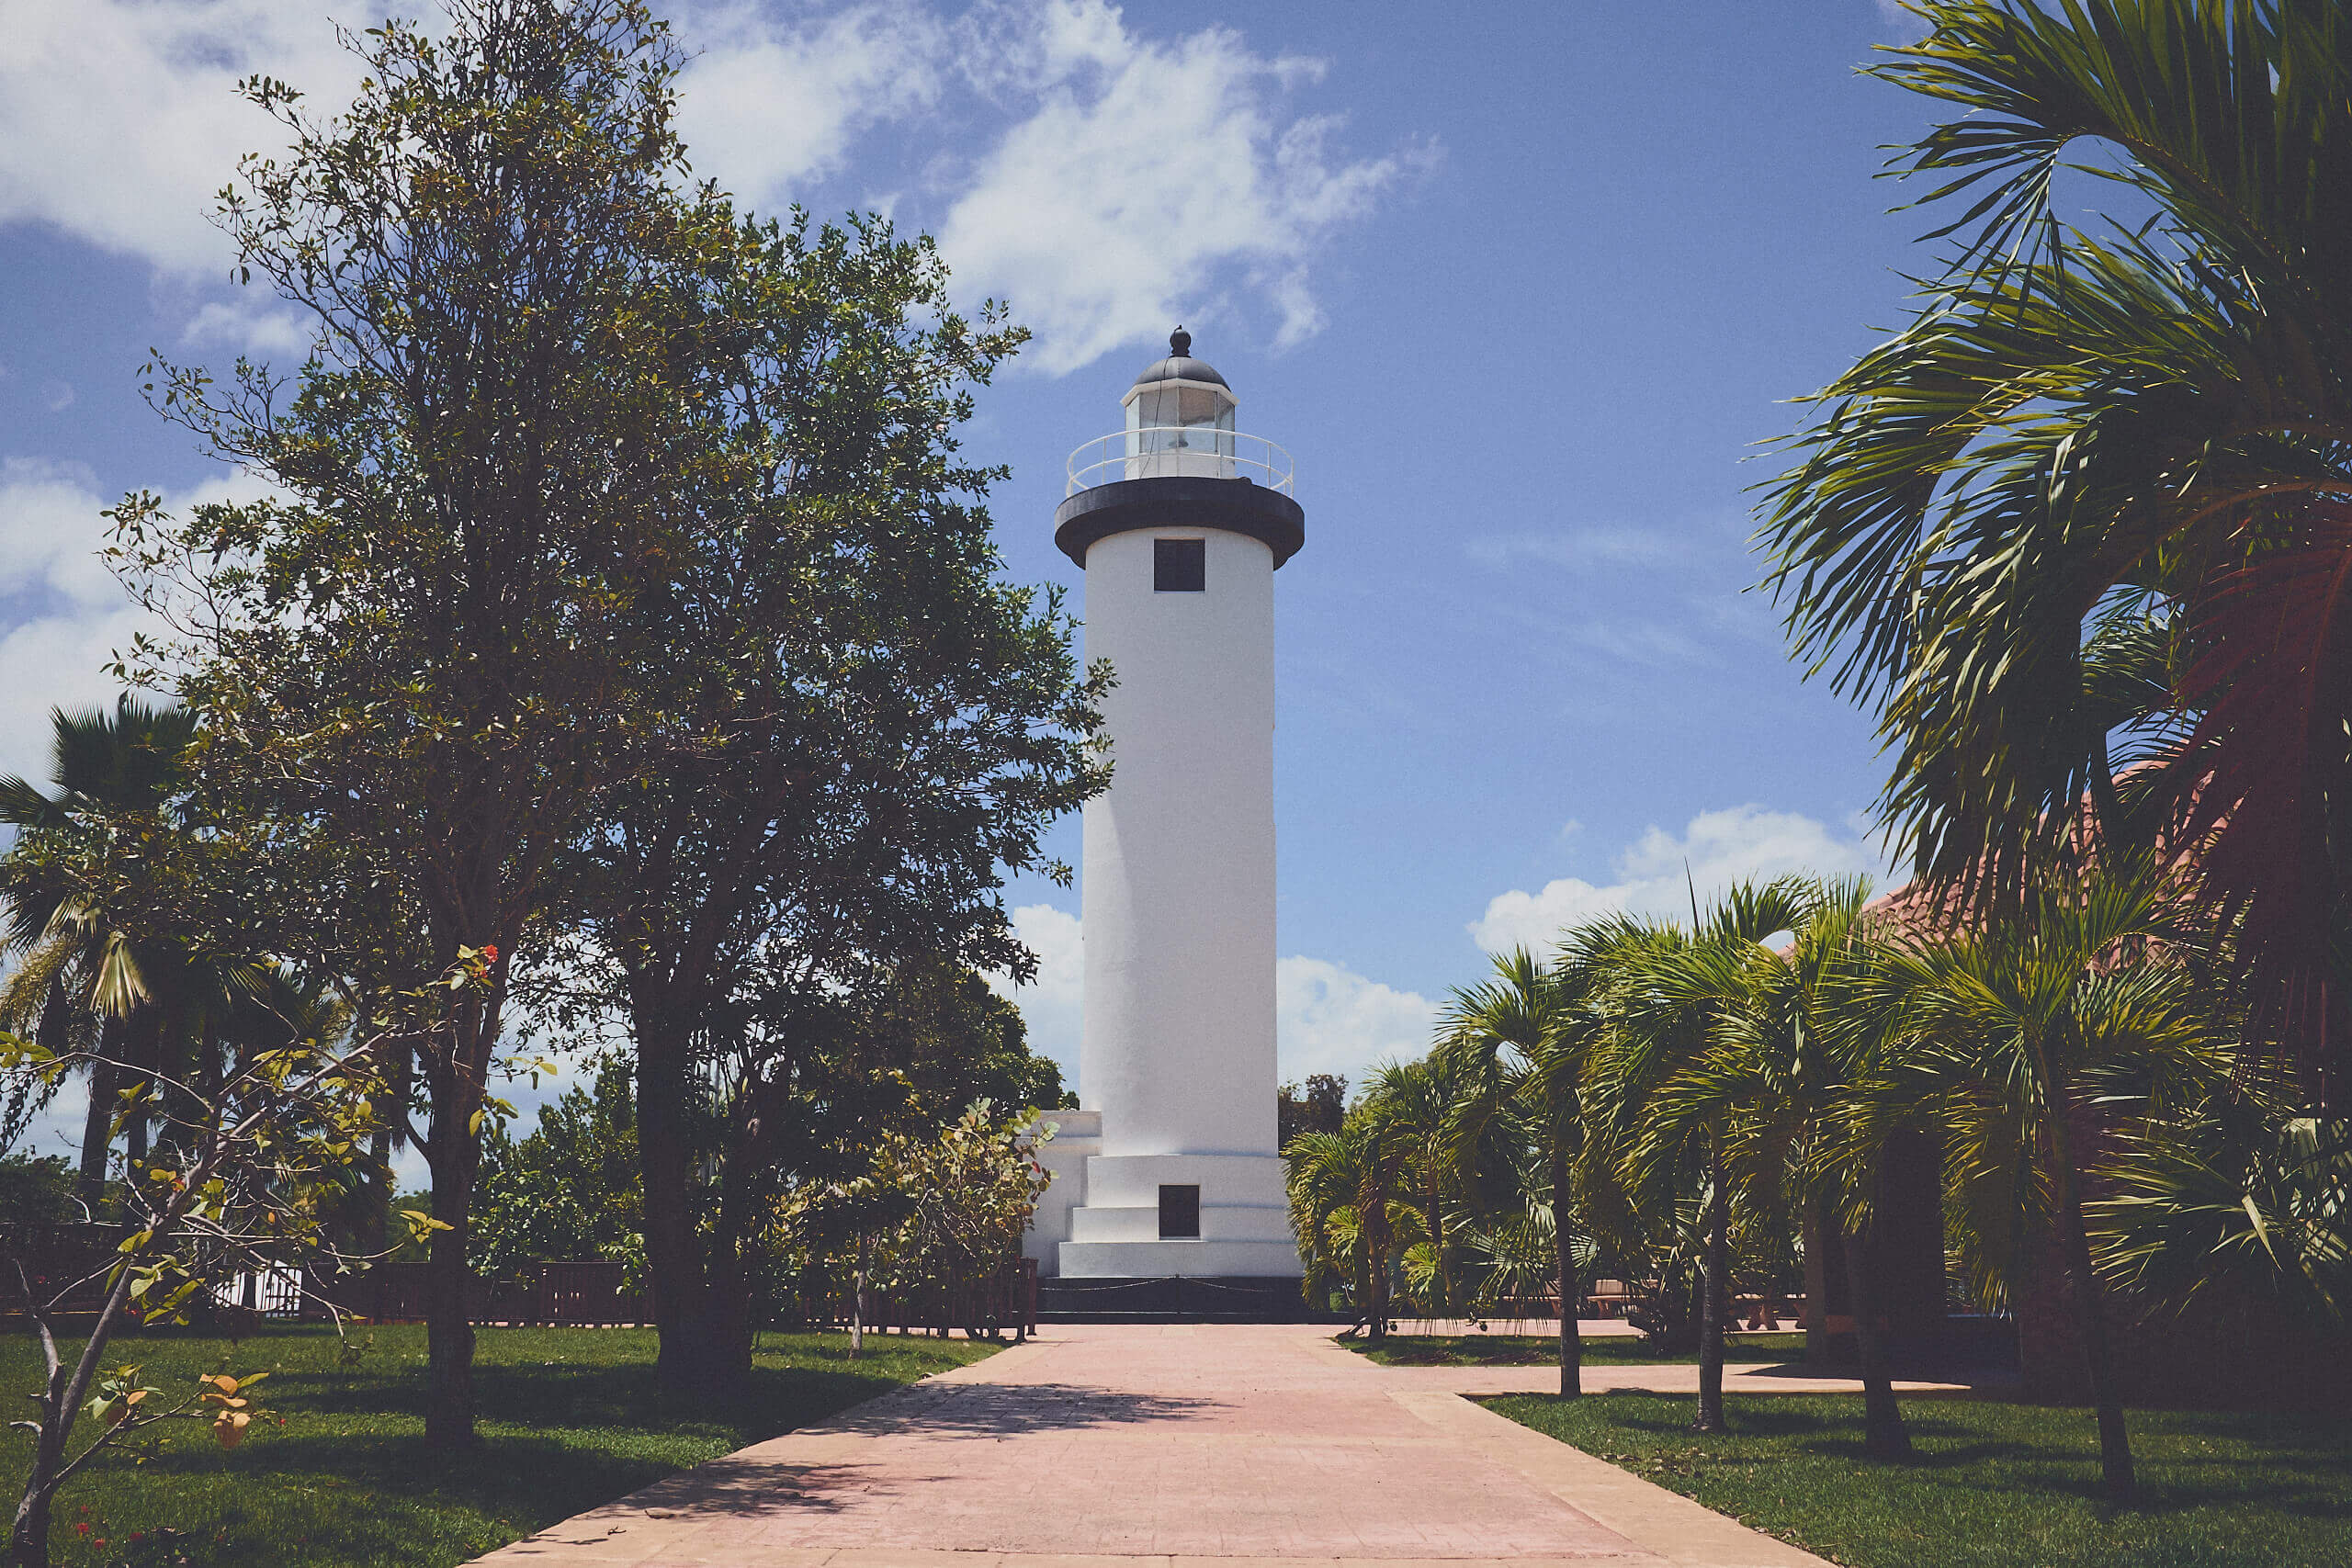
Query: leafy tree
point(869, 728)
point(957, 1041)
point(238, 1191)
point(427, 656)
point(36, 1189)
point(2098, 486)
point(1316, 1105)
point(572, 1188)
point(933, 1212)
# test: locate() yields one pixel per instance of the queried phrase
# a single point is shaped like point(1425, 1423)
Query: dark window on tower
point(1179, 566)
point(1179, 1207)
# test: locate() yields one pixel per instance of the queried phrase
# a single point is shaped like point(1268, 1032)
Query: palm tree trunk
point(1714, 1302)
point(143, 1034)
point(1437, 1248)
point(1571, 1345)
point(1883, 1434)
point(1375, 1244)
point(2090, 1325)
point(98, 1126)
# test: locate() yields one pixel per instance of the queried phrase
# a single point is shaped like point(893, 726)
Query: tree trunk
point(29, 1537)
point(1883, 1435)
point(98, 1127)
point(1714, 1302)
point(455, 1069)
point(2090, 1325)
point(857, 1302)
point(686, 1312)
point(1375, 1244)
point(143, 1040)
point(1571, 1344)
point(60, 1400)
point(449, 1311)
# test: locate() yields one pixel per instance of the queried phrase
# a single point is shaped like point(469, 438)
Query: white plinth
point(1114, 1233)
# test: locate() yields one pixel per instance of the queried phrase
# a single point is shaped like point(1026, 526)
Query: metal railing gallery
point(1200, 451)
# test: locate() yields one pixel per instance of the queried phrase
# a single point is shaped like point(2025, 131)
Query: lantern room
point(1180, 417)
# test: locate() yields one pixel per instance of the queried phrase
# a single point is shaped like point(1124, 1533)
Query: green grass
point(1544, 1350)
point(570, 1418)
point(1993, 1485)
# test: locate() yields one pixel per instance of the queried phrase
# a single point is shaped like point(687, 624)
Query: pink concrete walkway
point(1106, 1445)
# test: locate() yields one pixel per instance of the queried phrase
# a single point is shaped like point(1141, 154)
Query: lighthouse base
point(1177, 1298)
point(1154, 1216)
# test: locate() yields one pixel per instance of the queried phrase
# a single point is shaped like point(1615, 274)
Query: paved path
point(1096, 1447)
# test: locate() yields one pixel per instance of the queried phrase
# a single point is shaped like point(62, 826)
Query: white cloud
point(768, 103)
point(1119, 179)
point(118, 119)
point(1050, 1004)
point(1328, 1019)
point(1148, 172)
point(1905, 22)
point(62, 616)
point(1718, 848)
point(255, 324)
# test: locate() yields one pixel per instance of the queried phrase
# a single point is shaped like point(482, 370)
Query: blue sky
point(1521, 286)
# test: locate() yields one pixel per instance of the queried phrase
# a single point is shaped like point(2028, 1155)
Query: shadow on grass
point(2271, 1461)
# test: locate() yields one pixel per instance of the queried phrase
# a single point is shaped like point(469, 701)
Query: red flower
point(489, 952)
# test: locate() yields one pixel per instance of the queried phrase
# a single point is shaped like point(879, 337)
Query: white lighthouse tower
point(1180, 522)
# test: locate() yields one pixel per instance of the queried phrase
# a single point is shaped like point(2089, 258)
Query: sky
point(1522, 290)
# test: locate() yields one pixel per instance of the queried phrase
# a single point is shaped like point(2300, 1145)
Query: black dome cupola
point(1179, 365)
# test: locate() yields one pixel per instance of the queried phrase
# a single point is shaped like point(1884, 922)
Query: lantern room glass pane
point(1178, 428)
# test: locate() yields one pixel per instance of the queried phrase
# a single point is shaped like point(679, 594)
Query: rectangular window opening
point(1180, 566)
point(1180, 1211)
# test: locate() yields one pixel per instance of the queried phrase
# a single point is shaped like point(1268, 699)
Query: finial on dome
point(1179, 344)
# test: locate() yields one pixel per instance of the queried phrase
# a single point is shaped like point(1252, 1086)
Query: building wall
point(1177, 1051)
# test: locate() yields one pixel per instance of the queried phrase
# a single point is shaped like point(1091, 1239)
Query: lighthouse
point(1180, 522)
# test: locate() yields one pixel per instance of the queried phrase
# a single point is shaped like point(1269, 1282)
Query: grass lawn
point(1995, 1485)
point(570, 1418)
point(1544, 1350)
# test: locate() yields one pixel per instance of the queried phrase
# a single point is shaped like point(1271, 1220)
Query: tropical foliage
point(1687, 1105)
point(2088, 512)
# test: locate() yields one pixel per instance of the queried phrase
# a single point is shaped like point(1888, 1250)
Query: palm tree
point(1341, 1189)
point(1519, 1041)
point(80, 961)
point(1673, 998)
point(2107, 477)
point(1416, 1103)
point(2231, 1193)
point(2022, 1040)
point(1793, 1032)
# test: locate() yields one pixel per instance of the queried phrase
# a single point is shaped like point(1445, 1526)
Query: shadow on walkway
point(1005, 1410)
